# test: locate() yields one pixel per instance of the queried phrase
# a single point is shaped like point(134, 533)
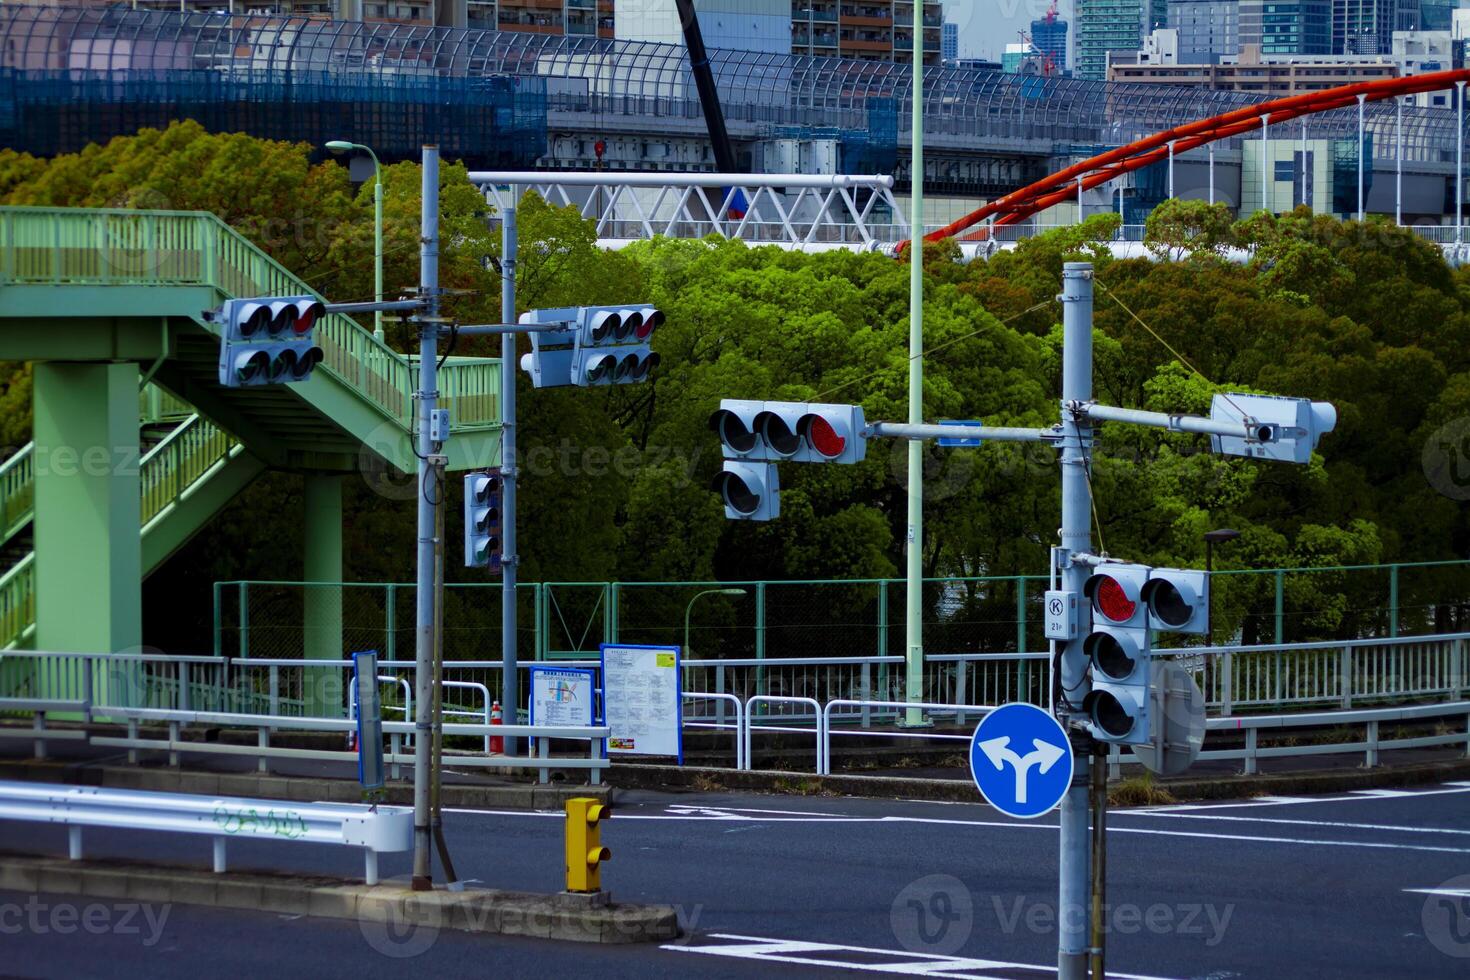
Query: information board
point(561, 696)
point(642, 701)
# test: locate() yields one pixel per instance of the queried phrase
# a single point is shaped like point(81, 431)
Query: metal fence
point(844, 619)
point(1342, 674)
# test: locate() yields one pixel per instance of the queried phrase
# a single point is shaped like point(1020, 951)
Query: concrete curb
point(521, 796)
point(963, 791)
point(384, 912)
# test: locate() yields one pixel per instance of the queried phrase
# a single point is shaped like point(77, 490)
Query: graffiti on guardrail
point(284, 823)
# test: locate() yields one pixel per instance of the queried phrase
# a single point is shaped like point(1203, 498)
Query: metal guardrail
point(375, 830)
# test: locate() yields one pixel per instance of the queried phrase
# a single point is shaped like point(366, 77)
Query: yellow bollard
point(585, 852)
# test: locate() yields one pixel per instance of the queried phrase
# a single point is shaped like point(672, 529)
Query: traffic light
point(1178, 600)
point(601, 345)
point(1118, 649)
point(754, 434)
point(585, 852)
point(482, 521)
point(268, 340)
point(1284, 429)
point(751, 490)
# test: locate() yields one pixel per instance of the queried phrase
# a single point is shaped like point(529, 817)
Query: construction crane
point(1048, 66)
point(704, 81)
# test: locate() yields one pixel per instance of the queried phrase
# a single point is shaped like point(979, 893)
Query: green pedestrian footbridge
point(137, 446)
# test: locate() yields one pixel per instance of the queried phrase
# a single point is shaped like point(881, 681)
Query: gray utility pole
point(510, 688)
point(431, 493)
point(914, 564)
point(1073, 898)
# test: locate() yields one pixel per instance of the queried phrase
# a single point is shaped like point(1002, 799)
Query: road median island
point(390, 915)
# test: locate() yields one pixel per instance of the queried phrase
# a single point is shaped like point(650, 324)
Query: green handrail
point(100, 246)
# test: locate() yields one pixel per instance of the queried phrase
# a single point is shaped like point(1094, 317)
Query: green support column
point(322, 539)
point(89, 574)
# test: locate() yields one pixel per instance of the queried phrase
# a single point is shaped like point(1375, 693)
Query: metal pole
point(1079, 200)
point(377, 245)
point(1099, 789)
point(1362, 138)
point(1212, 173)
point(1072, 874)
point(1171, 168)
point(1304, 163)
point(913, 620)
point(429, 496)
point(1398, 183)
point(1265, 165)
point(1459, 159)
point(510, 687)
point(1209, 613)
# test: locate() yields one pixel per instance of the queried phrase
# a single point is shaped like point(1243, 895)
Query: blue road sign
point(960, 443)
point(1021, 760)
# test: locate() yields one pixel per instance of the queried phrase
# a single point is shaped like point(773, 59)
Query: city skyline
point(987, 26)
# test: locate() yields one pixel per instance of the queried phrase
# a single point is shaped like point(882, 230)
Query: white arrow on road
point(1043, 757)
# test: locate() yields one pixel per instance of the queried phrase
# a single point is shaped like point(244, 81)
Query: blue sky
point(987, 26)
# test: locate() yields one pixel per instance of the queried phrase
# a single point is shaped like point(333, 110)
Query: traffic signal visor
point(834, 433)
point(735, 423)
point(1178, 600)
point(751, 490)
point(1116, 593)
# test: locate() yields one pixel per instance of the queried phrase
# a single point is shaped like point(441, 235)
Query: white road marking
point(1390, 828)
point(714, 815)
point(1446, 892)
point(1287, 800)
point(899, 962)
point(1387, 794)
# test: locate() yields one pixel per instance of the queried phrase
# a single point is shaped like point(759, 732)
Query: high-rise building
point(1367, 26)
point(1288, 26)
point(1049, 36)
point(872, 30)
point(1208, 29)
point(949, 42)
point(748, 25)
point(1434, 15)
point(583, 18)
point(1113, 26)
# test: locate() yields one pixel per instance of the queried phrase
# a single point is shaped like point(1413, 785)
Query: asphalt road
point(1370, 884)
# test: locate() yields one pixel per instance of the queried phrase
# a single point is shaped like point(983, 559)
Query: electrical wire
point(938, 347)
point(1167, 346)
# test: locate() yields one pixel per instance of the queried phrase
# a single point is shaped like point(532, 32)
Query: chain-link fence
point(841, 619)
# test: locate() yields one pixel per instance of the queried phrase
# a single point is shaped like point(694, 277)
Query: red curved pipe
point(1058, 187)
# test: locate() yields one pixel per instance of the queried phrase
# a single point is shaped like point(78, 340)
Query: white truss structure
point(794, 211)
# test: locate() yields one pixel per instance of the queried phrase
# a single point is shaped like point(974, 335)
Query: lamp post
point(1212, 538)
point(689, 608)
point(343, 146)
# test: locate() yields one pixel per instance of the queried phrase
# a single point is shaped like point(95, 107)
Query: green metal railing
point(836, 618)
point(18, 475)
point(186, 456)
point(94, 246)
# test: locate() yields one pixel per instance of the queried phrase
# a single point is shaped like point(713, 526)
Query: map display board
point(561, 696)
point(642, 700)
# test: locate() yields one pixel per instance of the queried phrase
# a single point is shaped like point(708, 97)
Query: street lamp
point(690, 607)
point(1219, 536)
point(343, 146)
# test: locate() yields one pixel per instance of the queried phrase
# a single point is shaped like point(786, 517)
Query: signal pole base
point(584, 900)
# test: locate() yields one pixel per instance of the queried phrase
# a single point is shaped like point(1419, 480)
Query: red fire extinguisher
point(497, 743)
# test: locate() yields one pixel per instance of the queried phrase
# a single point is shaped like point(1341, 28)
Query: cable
point(948, 343)
point(1167, 346)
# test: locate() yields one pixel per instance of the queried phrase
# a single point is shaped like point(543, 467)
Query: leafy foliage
point(1366, 316)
